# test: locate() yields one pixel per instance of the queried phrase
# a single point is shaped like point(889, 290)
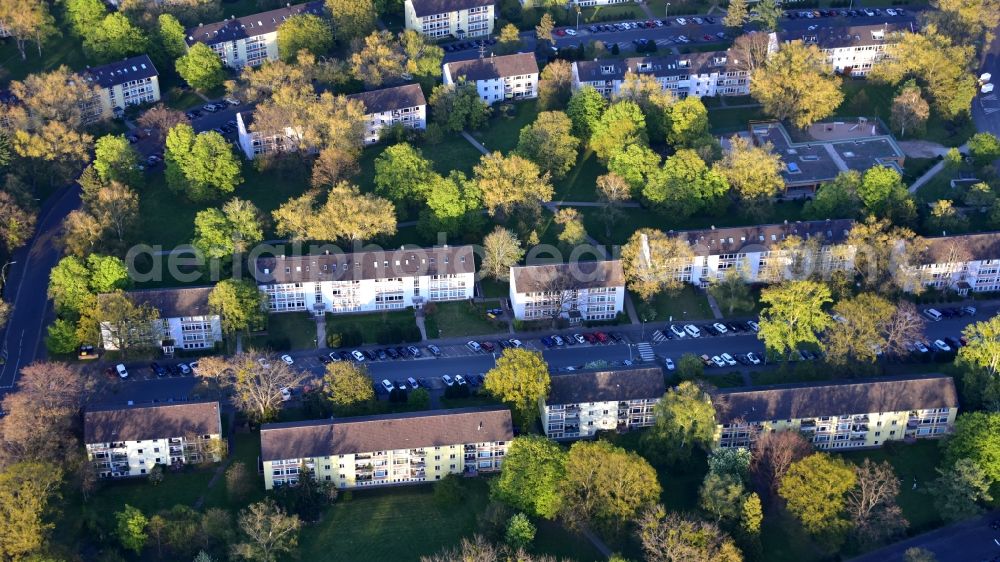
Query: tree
point(520, 531)
point(793, 315)
point(880, 187)
point(909, 110)
point(26, 490)
point(511, 183)
point(637, 164)
point(859, 334)
point(959, 489)
point(670, 537)
point(233, 229)
point(573, 233)
point(509, 40)
point(656, 103)
point(304, 31)
point(454, 205)
point(837, 198)
point(754, 172)
point(543, 31)
point(347, 214)
point(977, 438)
point(161, 119)
point(402, 173)
point(983, 348)
point(945, 218)
point(685, 420)
point(606, 485)
point(202, 166)
point(916, 554)
point(721, 495)
point(612, 193)
point(423, 58)
point(240, 304)
point(555, 84)
point(752, 515)
point(685, 186)
point(334, 165)
point(532, 475)
point(519, 379)
point(347, 387)
point(239, 481)
point(378, 61)
point(61, 338)
point(501, 250)
point(267, 532)
point(773, 454)
point(170, 36)
point(585, 108)
point(884, 254)
point(797, 84)
point(549, 143)
point(736, 14)
point(27, 20)
point(690, 367)
point(47, 97)
point(457, 107)
point(114, 38)
point(621, 125)
point(256, 381)
point(984, 148)
point(120, 323)
point(980, 196)
point(871, 505)
point(750, 50)
point(85, 15)
point(653, 262)
point(352, 18)
point(687, 123)
point(732, 291)
point(814, 489)
point(17, 222)
point(201, 67)
point(131, 528)
point(73, 282)
point(116, 160)
point(966, 22)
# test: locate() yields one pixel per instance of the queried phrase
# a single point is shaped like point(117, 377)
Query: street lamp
point(666, 12)
point(3, 275)
point(578, 18)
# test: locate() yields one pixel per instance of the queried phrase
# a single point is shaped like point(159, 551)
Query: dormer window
point(607, 69)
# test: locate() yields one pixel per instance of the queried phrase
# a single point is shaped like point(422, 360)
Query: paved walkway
point(421, 324)
point(714, 305)
point(479, 146)
point(935, 169)
point(633, 316)
point(597, 542)
point(230, 444)
point(321, 331)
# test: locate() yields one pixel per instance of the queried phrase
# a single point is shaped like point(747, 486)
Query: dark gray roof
point(714, 241)
point(606, 386)
point(847, 36)
point(425, 8)
point(172, 303)
point(491, 68)
point(249, 26)
point(120, 72)
point(391, 99)
point(835, 399)
point(566, 276)
point(322, 438)
point(157, 421)
point(661, 66)
point(409, 262)
point(963, 247)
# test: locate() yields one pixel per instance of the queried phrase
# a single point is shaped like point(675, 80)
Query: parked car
point(728, 359)
point(516, 344)
point(919, 346)
point(601, 337)
point(753, 325)
point(710, 330)
point(122, 372)
point(158, 369)
point(474, 346)
point(571, 32)
point(548, 342)
point(392, 353)
point(194, 367)
point(718, 361)
point(231, 100)
point(953, 343)
point(381, 354)
point(558, 341)
point(288, 359)
point(692, 330)
point(568, 338)
point(720, 327)
point(388, 386)
point(413, 383)
point(210, 107)
point(435, 350)
point(742, 359)
point(447, 380)
point(941, 346)
point(334, 356)
point(185, 370)
point(707, 361)
point(752, 358)
point(325, 359)
point(358, 356)
point(414, 351)
point(678, 331)
point(488, 346)
point(668, 363)
point(345, 356)
point(616, 336)
point(460, 380)
point(579, 338)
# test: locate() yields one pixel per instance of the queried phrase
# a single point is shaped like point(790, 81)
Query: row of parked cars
point(716, 329)
point(593, 338)
point(380, 354)
point(412, 384)
point(456, 47)
point(864, 12)
point(935, 314)
point(745, 359)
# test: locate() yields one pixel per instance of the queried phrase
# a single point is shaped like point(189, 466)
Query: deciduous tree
point(402, 173)
point(837, 198)
point(509, 40)
point(161, 119)
point(267, 532)
point(17, 222)
point(501, 250)
point(612, 192)
point(534, 468)
point(131, 528)
point(983, 348)
point(736, 14)
point(543, 31)
point(347, 214)
point(749, 51)
point(871, 504)
point(170, 36)
point(909, 110)
point(347, 387)
point(256, 381)
point(621, 125)
point(115, 37)
point(670, 537)
point(917, 554)
point(796, 84)
point(555, 84)
point(572, 233)
point(201, 67)
point(984, 148)
point(26, 492)
point(202, 166)
point(884, 255)
point(549, 143)
point(814, 489)
point(334, 165)
point(457, 107)
point(378, 61)
point(511, 183)
point(685, 186)
point(220, 233)
point(454, 206)
point(585, 108)
point(304, 31)
point(959, 489)
point(240, 304)
point(116, 160)
point(685, 420)
point(653, 262)
point(977, 438)
point(27, 20)
point(120, 323)
point(721, 495)
point(966, 22)
point(519, 379)
point(773, 453)
point(687, 123)
point(754, 172)
point(352, 18)
point(793, 315)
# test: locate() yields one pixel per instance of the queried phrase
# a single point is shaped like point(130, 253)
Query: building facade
point(963, 263)
point(401, 105)
point(848, 415)
point(582, 403)
point(255, 143)
point(387, 450)
point(450, 18)
point(507, 77)
point(367, 281)
point(851, 50)
point(250, 40)
point(133, 81)
point(130, 441)
point(577, 291)
point(714, 73)
point(185, 319)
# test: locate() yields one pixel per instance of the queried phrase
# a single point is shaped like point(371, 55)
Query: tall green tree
point(722, 496)
point(837, 198)
point(304, 31)
point(520, 379)
point(585, 108)
point(531, 480)
point(977, 438)
point(797, 84)
point(959, 490)
point(984, 148)
point(402, 173)
point(85, 15)
point(880, 190)
point(814, 489)
point(27, 490)
point(685, 420)
point(115, 37)
point(352, 19)
point(240, 304)
point(130, 528)
point(793, 315)
point(201, 68)
point(736, 14)
point(170, 36)
point(348, 388)
point(458, 106)
point(220, 233)
point(687, 123)
point(116, 160)
point(454, 206)
point(685, 186)
point(621, 125)
point(549, 143)
point(202, 166)
point(606, 486)
point(983, 349)
point(511, 184)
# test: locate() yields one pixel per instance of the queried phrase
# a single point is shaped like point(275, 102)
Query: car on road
point(753, 359)
point(158, 369)
point(558, 341)
point(728, 359)
point(358, 356)
point(548, 342)
point(720, 327)
point(400, 385)
point(941, 345)
point(334, 356)
point(718, 361)
point(707, 361)
point(692, 330)
point(697, 20)
point(435, 350)
point(571, 32)
point(185, 370)
point(489, 347)
point(678, 331)
point(392, 353)
point(447, 380)
point(668, 363)
point(286, 394)
point(288, 359)
point(413, 383)
point(579, 338)
point(388, 386)
point(460, 380)
point(568, 338)
point(474, 346)
point(122, 372)
point(681, 21)
point(753, 325)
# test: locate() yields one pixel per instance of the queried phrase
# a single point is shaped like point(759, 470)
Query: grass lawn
point(371, 325)
point(915, 167)
point(807, 372)
point(59, 50)
point(286, 331)
point(503, 131)
point(495, 289)
point(581, 182)
point(678, 8)
point(474, 401)
point(725, 380)
point(454, 319)
point(555, 540)
point(876, 101)
point(563, 17)
point(687, 304)
point(731, 120)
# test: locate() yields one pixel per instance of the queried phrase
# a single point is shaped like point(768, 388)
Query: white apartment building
point(839, 415)
point(185, 321)
point(249, 40)
point(401, 105)
point(387, 450)
point(366, 281)
point(450, 18)
point(132, 81)
point(507, 77)
point(851, 50)
point(963, 263)
point(577, 291)
point(255, 143)
point(712, 73)
point(582, 403)
point(131, 440)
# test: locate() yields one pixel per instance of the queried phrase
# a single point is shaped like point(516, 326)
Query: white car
point(683, 39)
point(698, 20)
point(288, 359)
point(679, 332)
point(559, 341)
point(753, 359)
point(728, 359)
point(941, 345)
point(334, 357)
point(890, 11)
point(185, 370)
point(516, 344)
point(681, 21)
point(194, 367)
point(286, 394)
point(474, 346)
point(460, 379)
point(718, 361)
point(692, 331)
point(753, 325)
point(579, 338)
point(120, 368)
point(358, 356)
point(447, 380)
point(413, 383)
point(571, 32)
point(919, 345)
point(668, 363)
point(388, 386)
point(720, 327)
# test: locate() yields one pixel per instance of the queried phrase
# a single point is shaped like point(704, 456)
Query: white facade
point(694, 74)
point(582, 403)
point(250, 40)
point(410, 117)
point(254, 144)
point(460, 20)
point(184, 317)
point(508, 77)
point(587, 291)
point(399, 105)
point(853, 50)
point(121, 84)
point(963, 263)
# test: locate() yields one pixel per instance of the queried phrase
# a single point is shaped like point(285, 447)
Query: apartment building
point(714, 73)
point(132, 81)
point(851, 50)
point(131, 440)
point(249, 40)
point(256, 143)
point(450, 18)
point(576, 291)
point(507, 77)
point(387, 450)
point(839, 415)
point(401, 105)
point(580, 404)
point(963, 263)
point(366, 281)
point(185, 320)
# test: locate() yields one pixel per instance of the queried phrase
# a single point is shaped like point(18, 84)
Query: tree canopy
point(520, 379)
point(793, 315)
point(797, 84)
point(532, 476)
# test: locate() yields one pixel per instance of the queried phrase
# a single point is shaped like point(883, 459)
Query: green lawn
point(915, 167)
point(374, 327)
point(867, 99)
point(286, 331)
point(455, 319)
point(733, 120)
point(59, 50)
point(798, 371)
point(678, 7)
point(725, 380)
point(581, 182)
point(687, 304)
point(563, 17)
point(495, 289)
point(502, 132)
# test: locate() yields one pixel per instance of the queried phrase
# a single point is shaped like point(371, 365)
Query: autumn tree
point(687, 123)
point(814, 489)
point(917, 554)
point(858, 335)
point(671, 537)
point(201, 68)
point(267, 532)
point(27, 490)
point(347, 214)
point(235, 228)
point(519, 379)
point(347, 387)
point(17, 222)
point(115, 207)
point(456, 107)
point(685, 421)
point(909, 110)
point(750, 51)
point(120, 323)
point(240, 304)
point(543, 31)
point(534, 469)
point(501, 250)
point(27, 20)
point(983, 349)
point(572, 232)
point(754, 172)
point(333, 165)
point(161, 119)
point(653, 262)
point(550, 144)
point(612, 193)
point(202, 166)
point(304, 31)
point(797, 84)
point(511, 184)
point(555, 84)
point(736, 14)
point(378, 61)
point(966, 22)
point(256, 381)
point(773, 454)
point(793, 315)
point(871, 504)
point(509, 40)
point(352, 19)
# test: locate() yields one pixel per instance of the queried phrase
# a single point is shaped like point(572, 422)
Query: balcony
point(859, 428)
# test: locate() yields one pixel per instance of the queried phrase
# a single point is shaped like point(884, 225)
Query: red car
point(601, 337)
point(591, 339)
point(560, 32)
point(488, 346)
point(707, 37)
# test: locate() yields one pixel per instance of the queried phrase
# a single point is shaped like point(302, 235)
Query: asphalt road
point(968, 541)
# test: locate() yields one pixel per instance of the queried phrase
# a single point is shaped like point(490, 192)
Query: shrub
point(449, 491)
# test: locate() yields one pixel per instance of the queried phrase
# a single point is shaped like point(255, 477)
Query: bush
point(449, 491)
point(456, 391)
point(520, 531)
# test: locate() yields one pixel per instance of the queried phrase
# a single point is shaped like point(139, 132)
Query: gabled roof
point(963, 247)
point(567, 276)
point(175, 302)
point(847, 36)
point(492, 68)
point(661, 66)
point(423, 8)
point(835, 399)
point(359, 266)
point(134, 68)
point(712, 241)
point(434, 428)
point(391, 99)
point(606, 386)
point(253, 25)
point(156, 421)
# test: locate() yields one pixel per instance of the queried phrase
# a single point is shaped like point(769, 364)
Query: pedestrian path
point(645, 351)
